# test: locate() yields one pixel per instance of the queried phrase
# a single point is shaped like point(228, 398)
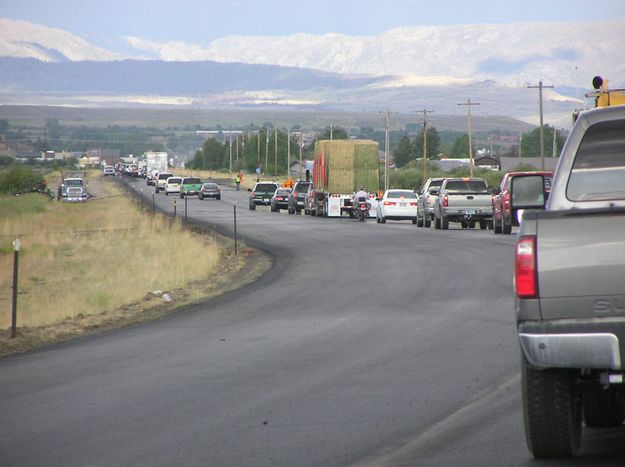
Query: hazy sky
point(200, 21)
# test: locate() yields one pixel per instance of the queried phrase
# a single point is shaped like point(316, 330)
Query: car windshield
point(467, 186)
point(210, 186)
point(598, 172)
point(192, 181)
point(401, 194)
point(73, 182)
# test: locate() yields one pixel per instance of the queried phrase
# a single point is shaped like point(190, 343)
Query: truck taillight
point(445, 201)
point(525, 272)
point(506, 201)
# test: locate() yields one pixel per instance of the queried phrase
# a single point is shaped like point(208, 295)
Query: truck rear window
point(598, 172)
point(266, 187)
point(192, 181)
point(467, 186)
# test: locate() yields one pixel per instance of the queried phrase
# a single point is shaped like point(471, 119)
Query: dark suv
point(262, 193)
point(296, 198)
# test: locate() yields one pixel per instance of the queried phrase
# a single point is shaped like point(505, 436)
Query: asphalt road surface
point(366, 344)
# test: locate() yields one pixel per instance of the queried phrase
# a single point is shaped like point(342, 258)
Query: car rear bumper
point(588, 343)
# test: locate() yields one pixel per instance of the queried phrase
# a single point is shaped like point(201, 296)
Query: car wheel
point(483, 225)
point(472, 224)
point(552, 411)
point(383, 220)
point(420, 221)
point(218, 197)
point(437, 223)
point(427, 222)
point(414, 220)
point(602, 407)
point(200, 197)
point(298, 210)
point(444, 223)
point(463, 225)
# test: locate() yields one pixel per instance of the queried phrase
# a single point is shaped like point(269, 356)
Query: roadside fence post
point(16, 256)
point(174, 209)
point(185, 210)
point(141, 195)
point(153, 204)
point(234, 205)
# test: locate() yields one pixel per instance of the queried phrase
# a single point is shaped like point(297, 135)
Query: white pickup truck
point(463, 200)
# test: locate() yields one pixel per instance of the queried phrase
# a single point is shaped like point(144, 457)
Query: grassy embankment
point(85, 266)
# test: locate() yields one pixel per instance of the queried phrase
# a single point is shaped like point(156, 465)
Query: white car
point(108, 170)
point(397, 205)
point(173, 185)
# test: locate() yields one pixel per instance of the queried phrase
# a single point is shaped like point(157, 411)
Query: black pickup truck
point(570, 288)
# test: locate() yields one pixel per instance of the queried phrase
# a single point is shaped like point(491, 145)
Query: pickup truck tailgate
point(469, 201)
point(581, 259)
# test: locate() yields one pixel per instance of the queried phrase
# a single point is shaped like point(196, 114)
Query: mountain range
point(404, 69)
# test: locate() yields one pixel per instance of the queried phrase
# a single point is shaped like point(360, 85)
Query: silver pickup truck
point(570, 288)
point(463, 200)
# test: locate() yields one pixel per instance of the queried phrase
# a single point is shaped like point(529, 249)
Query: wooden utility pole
point(468, 103)
point(301, 148)
point(540, 87)
point(275, 163)
point(425, 141)
point(387, 124)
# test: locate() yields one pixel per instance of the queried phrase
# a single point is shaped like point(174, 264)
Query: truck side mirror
point(527, 192)
point(496, 190)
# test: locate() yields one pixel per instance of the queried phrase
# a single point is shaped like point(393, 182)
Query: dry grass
point(87, 259)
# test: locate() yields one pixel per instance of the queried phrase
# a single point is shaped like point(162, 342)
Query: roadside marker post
point(174, 209)
point(153, 204)
point(16, 256)
point(234, 205)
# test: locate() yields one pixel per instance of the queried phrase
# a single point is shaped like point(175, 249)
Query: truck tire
point(496, 226)
point(602, 407)
point(427, 222)
point(383, 220)
point(420, 221)
point(437, 223)
point(483, 225)
point(506, 229)
point(552, 411)
point(444, 223)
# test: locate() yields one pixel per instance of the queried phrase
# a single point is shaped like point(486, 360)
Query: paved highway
point(365, 344)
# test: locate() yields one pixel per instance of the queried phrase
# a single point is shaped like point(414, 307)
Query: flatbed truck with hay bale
point(340, 168)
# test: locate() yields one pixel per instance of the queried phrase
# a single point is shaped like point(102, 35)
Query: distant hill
point(26, 75)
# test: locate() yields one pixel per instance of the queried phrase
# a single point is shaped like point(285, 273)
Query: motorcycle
point(362, 208)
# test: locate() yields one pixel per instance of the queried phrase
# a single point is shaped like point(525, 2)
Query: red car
point(503, 216)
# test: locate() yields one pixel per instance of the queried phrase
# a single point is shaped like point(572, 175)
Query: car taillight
point(445, 201)
point(389, 203)
point(413, 204)
point(525, 272)
point(506, 201)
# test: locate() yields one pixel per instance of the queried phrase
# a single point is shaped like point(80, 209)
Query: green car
point(190, 186)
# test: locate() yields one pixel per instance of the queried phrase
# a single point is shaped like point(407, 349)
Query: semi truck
point(155, 162)
point(340, 168)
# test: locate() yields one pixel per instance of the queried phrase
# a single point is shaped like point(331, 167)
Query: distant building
point(487, 162)
point(295, 169)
